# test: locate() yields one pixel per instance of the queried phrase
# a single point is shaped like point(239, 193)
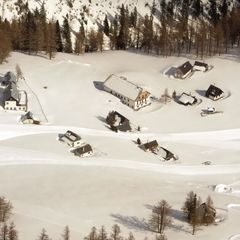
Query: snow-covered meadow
point(51, 188)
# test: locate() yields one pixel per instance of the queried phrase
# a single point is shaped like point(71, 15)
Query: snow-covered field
point(51, 188)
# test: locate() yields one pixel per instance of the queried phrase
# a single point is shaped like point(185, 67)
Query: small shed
point(72, 139)
point(184, 70)
point(150, 146)
point(29, 119)
point(83, 151)
point(187, 99)
point(200, 66)
point(214, 93)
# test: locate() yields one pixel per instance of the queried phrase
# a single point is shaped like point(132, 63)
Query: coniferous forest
point(177, 27)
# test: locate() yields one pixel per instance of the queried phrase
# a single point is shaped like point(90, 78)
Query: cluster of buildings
point(76, 143)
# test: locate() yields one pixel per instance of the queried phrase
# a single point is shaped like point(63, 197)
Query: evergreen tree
point(43, 235)
point(102, 235)
point(4, 232)
point(115, 234)
point(92, 41)
point(5, 47)
point(213, 14)
point(66, 234)
point(197, 8)
point(160, 217)
point(66, 37)
point(106, 26)
point(80, 40)
point(12, 233)
point(51, 40)
point(59, 44)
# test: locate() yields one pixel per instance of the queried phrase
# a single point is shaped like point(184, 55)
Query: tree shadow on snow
point(102, 119)
point(98, 85)
point(178, 215)
point(131, 222)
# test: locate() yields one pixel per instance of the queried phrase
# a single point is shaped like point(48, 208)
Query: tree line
point(176, 27)
point(194, 211)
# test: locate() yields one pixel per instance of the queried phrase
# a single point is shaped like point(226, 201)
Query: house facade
point(214, 93)
point(129, 93)
point(200, 66)
point(14, 99)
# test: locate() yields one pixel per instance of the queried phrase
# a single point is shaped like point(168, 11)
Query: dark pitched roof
point(201, 64)
point(83, 149)
point(150, 145)
point(10, 77)
point(72, 136)
point(213, 91)
point(12, 93)
point(185, 68)
point(27, 115)
point(169, 155)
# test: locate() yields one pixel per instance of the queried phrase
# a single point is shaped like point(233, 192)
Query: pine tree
point(115, 234)
point(106, 26)
point(43, 235)
point(130, 236)
point(80, 40)
point(92, 41)
point(12, 233)
point(59, 44)
point(197, 8)
point(66, 37)
point(5, 209)
point(102, 235)
point(4, 232)
point(51, 40)
point(160, 217)
point(100, 39)
point(66, 234)
point(213, 14)
point(5, 47)
point(92, 235)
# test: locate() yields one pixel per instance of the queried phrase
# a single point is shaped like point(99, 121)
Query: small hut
point(214, 93)
point(83, 151)
point(29, 119)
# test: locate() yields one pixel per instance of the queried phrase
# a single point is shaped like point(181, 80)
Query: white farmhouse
point(129, 93)
point(15, 99)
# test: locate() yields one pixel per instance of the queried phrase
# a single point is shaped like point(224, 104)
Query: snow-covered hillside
point(51, 188)
point(91, 12)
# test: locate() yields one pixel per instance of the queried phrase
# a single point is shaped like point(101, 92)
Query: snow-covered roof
point(186, 98)
point(122, 86)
